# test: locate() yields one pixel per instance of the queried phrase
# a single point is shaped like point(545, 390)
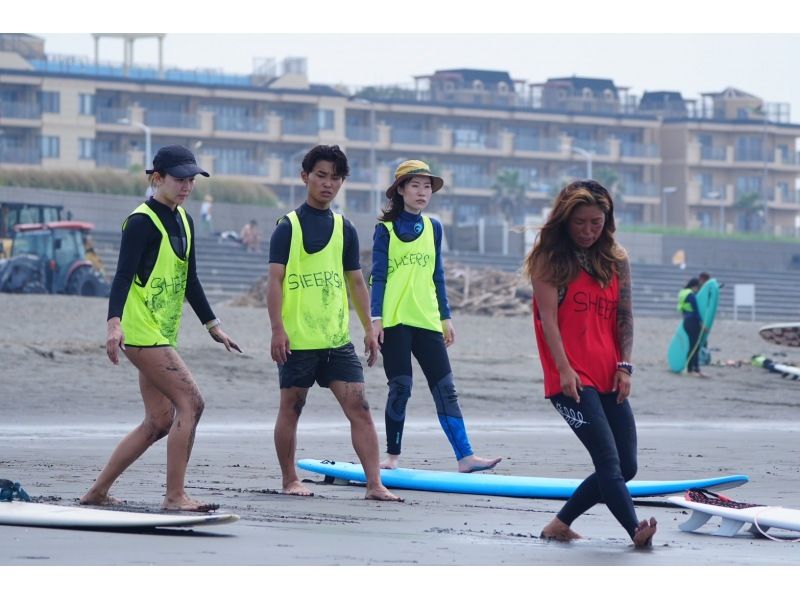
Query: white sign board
point(744, 295)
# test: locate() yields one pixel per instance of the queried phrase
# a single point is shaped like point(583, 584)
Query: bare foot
point(699, 374)
point(643, 538)
point(296, 489)
point(184, 503)
point(100, 500)
point(381, 493)
point(558, 530)
point(472, 463)
point(390, 462)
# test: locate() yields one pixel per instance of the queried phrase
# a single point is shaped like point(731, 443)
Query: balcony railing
point(234, 166)
point(20, 110)
point(473, 181)
point(537, 144)
point(749, 155)
point(359, 133)
point(482, 142)
point(249, 124)
point(415, 136)
point(112, 159)
point(639, 150)
point(712, 194)
point(300, 127)
point(639, 189)
point(11, 155)
point(111, 115)
point(174, 120)
point(598, 148)
point(713, 152)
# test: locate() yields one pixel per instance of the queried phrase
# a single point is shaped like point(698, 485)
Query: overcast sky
point(643, 54)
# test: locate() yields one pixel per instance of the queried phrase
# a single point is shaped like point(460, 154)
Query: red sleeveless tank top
point(587, 320)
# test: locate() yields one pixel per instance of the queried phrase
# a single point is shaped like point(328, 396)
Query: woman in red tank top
point(583, 319)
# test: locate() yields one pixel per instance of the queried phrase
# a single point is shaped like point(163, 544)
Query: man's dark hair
point(327, 153)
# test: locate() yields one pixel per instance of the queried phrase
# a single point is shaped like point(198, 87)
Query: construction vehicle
point(52, 257)
point(14, 213)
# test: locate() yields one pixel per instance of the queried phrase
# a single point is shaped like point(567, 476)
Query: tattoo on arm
point(625, 311)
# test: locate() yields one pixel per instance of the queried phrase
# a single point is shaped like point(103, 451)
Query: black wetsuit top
point(317, 227)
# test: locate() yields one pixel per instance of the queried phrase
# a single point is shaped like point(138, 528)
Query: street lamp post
point(718, 195)
point(586, 154)
point(148, 155)
point(297, 154)
point(665, 191)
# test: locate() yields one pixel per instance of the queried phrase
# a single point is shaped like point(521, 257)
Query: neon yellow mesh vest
point(152, 313)
point(315, 312)
point(410, 296)
point(683, 305)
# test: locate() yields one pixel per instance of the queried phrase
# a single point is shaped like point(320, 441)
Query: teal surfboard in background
point(679, 350)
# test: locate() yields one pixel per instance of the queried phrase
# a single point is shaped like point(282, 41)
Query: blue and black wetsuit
point(427, 346)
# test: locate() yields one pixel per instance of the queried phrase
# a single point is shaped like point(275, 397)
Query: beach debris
point(479, 291)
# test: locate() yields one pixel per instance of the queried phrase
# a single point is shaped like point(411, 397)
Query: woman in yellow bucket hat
point(410, 313)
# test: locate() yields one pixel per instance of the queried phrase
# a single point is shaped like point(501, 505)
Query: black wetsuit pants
point(692, 326)
point(608, 431)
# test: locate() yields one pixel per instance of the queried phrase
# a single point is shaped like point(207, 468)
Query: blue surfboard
point(502, 485)
point(679, 351)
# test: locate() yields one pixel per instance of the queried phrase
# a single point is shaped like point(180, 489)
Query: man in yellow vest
point(314, 262)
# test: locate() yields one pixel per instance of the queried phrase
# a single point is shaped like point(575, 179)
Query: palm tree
point(509, 194)
point(749, 204)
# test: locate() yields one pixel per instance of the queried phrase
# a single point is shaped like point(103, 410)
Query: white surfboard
point(44, 515)
point(760, 518)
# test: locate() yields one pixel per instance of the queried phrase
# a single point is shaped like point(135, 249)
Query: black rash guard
point(138, 252)
point(317, 227)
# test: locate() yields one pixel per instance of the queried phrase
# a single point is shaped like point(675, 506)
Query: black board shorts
point(323, 366)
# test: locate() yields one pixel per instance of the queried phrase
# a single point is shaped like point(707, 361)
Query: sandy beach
point(65, 406)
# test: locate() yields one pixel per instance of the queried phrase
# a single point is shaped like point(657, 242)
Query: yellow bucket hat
point(412, 168)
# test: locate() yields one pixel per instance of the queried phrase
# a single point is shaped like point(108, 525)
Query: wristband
point(211, 323)
point(625, 367)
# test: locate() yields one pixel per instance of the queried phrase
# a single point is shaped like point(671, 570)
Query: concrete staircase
point(226, 270)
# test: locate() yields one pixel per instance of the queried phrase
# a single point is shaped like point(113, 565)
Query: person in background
point(206, 219)
point(156, 270)
point(251, 236)
point(583, 320)
point(692, 324)
point(410, 313)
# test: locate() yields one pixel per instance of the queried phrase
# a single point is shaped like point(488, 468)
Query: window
point(86, 104)
point(50, 101)
point(748, 184)
point(51, 146)
point(325, 119)
point(86, 149)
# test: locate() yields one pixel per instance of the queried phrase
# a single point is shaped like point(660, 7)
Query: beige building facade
point(503, 146)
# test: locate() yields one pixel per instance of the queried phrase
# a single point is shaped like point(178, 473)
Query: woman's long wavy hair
point(552, 258)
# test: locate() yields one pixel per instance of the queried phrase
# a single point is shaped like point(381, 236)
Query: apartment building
point(503, 145)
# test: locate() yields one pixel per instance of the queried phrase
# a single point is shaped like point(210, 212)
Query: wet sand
point(65, 406)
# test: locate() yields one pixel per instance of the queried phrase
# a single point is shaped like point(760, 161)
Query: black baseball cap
point(177, 161)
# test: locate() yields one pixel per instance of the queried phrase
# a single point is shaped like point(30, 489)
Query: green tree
point(509, 195)
point(749, 204)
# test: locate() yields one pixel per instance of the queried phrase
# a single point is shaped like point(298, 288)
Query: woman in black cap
point(156, 270)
